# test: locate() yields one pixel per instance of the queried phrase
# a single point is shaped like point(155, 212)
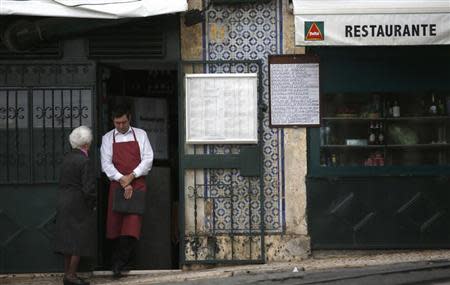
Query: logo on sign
point(314, 31)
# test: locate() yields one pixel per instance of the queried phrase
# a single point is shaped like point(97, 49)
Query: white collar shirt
point(106, 152)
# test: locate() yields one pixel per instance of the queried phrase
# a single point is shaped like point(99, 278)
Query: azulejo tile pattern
point(246, 32)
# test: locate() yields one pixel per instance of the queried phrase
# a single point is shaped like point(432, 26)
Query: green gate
point(221, 186)
point(40, 103)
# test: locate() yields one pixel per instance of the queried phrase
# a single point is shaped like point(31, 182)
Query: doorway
point(151, 94)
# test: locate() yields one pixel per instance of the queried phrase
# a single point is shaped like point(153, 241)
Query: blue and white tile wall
point(247, 32)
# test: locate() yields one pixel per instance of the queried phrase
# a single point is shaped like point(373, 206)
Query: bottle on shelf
point(372, 135)
point(447, 105)
point(376, 104)
point(441, 136)
point(440, 107)
point(334, 160)
point(381, 134)
point(423, 107)
point(389, 109)
point(396, 109)
point(322, 136)
point(327, 133)
point(379, 159)
point(433, 107)
point(376, 130)
point(323, 159)
point(374, 159)
point(328, 159)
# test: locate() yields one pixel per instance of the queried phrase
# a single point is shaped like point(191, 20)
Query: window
point(385, 129)
point(34, 154)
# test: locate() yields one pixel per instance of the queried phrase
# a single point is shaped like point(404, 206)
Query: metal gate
point(39, 106)
point(221, 187)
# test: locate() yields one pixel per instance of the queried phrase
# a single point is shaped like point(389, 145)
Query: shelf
point(343, 119)
point(351, 146)
point(431, 145)
point(394, 146)
point(360, 117)
point(422, 118)
point(409, 118)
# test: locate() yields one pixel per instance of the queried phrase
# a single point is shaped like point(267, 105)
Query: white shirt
point(106, 152)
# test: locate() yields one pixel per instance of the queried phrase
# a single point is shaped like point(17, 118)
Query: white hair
point(80, 136)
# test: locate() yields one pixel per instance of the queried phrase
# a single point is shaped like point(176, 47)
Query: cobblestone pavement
point(320, 260)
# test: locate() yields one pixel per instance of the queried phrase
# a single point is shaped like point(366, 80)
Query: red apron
point(126, 157)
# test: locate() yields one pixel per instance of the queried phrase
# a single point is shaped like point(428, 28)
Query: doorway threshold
point(137, 272)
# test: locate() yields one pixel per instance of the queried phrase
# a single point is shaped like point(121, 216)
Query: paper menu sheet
point(221, 108)
point(295, 94)
point(151, 116)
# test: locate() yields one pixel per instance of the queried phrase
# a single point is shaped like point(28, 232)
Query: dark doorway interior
point(152, 96)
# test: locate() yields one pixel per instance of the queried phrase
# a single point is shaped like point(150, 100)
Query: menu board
point(221, 108)
point(294, 91)
point(153, 118)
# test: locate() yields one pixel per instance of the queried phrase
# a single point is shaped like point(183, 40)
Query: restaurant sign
point(371, 22)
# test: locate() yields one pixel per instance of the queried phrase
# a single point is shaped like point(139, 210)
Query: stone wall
point(249, 32)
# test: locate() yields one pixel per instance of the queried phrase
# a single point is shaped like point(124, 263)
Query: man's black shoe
point(116, 271)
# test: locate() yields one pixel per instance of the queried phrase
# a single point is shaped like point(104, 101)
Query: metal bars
point(34, 128)
point(222, 217)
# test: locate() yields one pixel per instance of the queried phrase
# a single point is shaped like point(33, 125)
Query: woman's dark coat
point(76, 216)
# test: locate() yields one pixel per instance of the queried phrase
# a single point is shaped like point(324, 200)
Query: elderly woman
point(76, 218)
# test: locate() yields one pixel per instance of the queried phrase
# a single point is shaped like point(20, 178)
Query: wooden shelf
point(409, 118)
point(351, 146)
point(345, 119)
point(422, 118)
point(394, 146)
point(431, 145)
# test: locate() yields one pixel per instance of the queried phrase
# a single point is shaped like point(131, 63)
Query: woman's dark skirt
point(76, 223)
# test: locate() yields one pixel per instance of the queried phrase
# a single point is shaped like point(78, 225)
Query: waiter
point(126, 157)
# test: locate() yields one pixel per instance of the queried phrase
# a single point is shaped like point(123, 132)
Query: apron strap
point(134, 135)
point(114, 135)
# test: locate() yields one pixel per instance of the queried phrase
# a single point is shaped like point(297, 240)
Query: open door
point(151, 95)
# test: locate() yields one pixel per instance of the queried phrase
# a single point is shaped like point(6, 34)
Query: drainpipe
point(24, 34)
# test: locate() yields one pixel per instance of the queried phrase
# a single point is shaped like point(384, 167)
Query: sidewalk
point(320, 260)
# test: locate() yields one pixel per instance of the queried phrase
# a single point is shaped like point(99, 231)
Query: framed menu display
point(221, 108)
point(294, 96)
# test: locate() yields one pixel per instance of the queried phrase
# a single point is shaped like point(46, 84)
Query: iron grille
point(34, 128)
point(223, 221)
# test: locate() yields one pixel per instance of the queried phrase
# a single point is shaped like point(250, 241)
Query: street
point(409, 273)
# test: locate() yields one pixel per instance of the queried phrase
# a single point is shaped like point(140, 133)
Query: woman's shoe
point(84, 280)
point(74, 281)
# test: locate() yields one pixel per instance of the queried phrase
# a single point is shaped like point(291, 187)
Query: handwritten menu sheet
point(294, 94)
